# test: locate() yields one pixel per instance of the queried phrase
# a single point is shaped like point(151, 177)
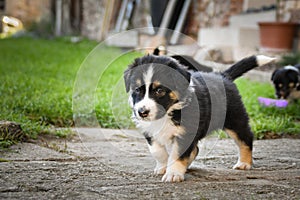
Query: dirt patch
point(112, 164)
point(270, 135)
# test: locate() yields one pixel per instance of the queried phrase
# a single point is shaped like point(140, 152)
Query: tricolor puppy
point(175, 108)
point(287, 82)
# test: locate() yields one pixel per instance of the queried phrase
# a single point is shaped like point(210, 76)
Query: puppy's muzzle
point(143, 112)
point(282, 94)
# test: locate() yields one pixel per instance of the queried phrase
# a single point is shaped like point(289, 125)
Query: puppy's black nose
point(143, 112)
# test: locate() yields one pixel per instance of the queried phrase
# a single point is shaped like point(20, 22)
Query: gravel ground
point(116, 164)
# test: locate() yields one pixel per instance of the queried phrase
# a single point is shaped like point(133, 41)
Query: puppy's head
point(285, 81)
point(155, 85)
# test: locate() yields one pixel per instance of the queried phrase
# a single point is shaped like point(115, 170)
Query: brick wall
point(207, 13)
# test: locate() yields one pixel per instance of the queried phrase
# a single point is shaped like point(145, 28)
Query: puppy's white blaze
point(262, 60)
point(146, 101)
point(148, 76)
point(290, 67)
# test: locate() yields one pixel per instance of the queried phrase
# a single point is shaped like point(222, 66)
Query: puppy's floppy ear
point(126, 75)
point(274, 74)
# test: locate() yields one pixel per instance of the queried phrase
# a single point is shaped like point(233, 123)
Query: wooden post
point(58, 17)
point(121, 16)
point(66, 21)
point(179, 25)
point(166, 18)
point(107, 17)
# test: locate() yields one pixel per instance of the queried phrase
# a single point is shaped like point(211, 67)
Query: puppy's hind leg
point(245, 147)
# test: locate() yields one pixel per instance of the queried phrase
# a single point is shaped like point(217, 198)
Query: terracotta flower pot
point(277, 36)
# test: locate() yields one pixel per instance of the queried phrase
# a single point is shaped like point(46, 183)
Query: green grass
point(290, 59)
point(112, 108)
point(266, 120)
point(37, 82)
point(37, 78)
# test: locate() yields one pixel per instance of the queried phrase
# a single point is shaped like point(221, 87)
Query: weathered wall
point(93, 16)
point(29, 11)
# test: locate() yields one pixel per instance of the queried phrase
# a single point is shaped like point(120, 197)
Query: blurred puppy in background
point(286, 81)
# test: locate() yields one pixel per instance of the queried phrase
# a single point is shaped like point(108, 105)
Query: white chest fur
point(162, 130)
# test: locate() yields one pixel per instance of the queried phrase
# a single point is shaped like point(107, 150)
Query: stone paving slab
point(116, 164)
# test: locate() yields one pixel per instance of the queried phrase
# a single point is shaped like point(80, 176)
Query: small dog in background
point(286, 81)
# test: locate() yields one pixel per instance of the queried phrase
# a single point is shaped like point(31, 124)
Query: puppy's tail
point(246, 64)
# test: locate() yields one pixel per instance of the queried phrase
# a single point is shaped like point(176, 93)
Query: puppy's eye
point(137, 90)
point(160, 92)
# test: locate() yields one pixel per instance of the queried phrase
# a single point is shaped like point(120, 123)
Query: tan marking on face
point(245, 152)
point(139, 82)
point(291, 85)
point(156, 84)
point(280, 85)
point(174, 95)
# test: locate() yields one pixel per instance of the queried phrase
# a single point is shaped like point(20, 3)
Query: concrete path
point(115, 164)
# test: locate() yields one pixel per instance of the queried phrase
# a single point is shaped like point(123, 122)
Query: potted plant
point(277, 35)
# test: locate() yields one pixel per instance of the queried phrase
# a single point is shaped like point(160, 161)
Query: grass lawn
point(37, 81)
point(268, 120)
point(37, 78)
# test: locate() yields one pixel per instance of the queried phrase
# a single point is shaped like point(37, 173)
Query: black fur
point(236, 116)
point(241, 67)
point(187, 61)
point(160, 61)
point(148, 138)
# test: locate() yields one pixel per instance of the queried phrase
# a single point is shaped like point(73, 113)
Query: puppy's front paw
point(160, 170)
point(173, 177)
point(242, 166)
